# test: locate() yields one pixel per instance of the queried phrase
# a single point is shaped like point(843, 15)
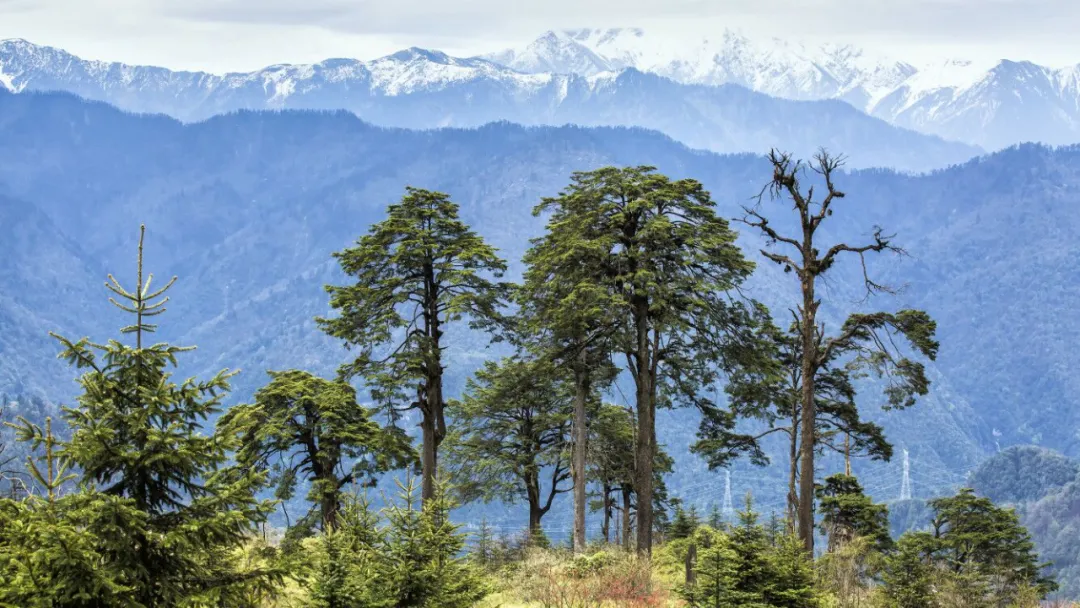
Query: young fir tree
point(417, 272)
point(513, 435)
point(318, 432)
point(61, 551)
point(868, 340)
point(137, 434)
point(350, 560)
point(714, 572)
point(684, 523)
point(423, 554)
point(848, 513)
point(666, 264)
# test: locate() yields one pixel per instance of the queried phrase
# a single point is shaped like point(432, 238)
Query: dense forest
point(148, 491)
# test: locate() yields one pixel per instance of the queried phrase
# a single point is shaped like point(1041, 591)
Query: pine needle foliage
point(306, 427)
point(139, 435)
point(416, 273)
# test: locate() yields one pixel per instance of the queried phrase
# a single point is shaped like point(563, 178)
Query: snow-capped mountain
point(417, 88)
point(992, 105)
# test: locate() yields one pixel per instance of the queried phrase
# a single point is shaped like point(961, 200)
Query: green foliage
point(304, 426)
point(348, 563)
point(846, 513)
point(742, 568)
point(61, 551)
point(137, 435)
point(513, 433)
point(655, 255)
point(423, 554)
point(415, 272)
point(976, 550)
point(684, 523)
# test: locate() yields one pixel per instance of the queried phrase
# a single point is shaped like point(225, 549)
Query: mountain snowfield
point(987, 104)
point(575, 76)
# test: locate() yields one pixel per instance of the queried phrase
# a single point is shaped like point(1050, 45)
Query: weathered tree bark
point(605, 528)
point(793, 464)
point(645, 453)
point(432, 407)
point(808, 321)
point(626, 491)
point(580, 432)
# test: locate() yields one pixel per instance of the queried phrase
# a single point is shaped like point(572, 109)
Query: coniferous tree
point(350, 563)
point(848, 513)
point(715, 572)
point(513, 435)
point(309, 428)
point(568, 315)
point(975, 551)
point(423, 551)
point(137, 435)
point(656, 249)
point(61, 551)
point(866, 339)
point(611, 459)
point(417, 272)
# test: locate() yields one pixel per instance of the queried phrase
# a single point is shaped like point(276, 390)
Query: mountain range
point(247, 208)
point(992, 105)
point(694, 90)
point(422, 89)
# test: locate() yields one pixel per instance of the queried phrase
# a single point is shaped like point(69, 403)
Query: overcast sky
point(224, 35)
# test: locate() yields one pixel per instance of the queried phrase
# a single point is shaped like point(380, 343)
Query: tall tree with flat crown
point(416, 272)
point(316, 430)
point(665, 265)
point(511, 441)
point(866, 340)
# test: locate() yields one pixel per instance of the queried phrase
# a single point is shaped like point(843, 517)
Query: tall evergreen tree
point(418, 271)
point(666, 265)
point(868, 338)
point(306, 427)
point(137, 435)
point(570, 316)
point(975, 551)
point(513, 435)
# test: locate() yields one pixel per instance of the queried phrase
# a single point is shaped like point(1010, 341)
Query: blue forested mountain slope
point(423, 89)
point(246, 208)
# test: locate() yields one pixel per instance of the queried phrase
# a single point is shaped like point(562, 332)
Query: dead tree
point(865, 340)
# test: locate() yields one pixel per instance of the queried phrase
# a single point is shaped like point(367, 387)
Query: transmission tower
point(905, 483)
point(728, 509)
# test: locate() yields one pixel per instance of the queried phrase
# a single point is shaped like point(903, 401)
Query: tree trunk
point(626, 517)
point(581, 393)
point(428, 458)
point(645, 454)
point(532, 494)
point(431, 393)
point(793, 464)
point(605, 528)
point(809, 413)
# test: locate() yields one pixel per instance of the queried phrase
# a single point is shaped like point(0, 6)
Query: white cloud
point(244, 34)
